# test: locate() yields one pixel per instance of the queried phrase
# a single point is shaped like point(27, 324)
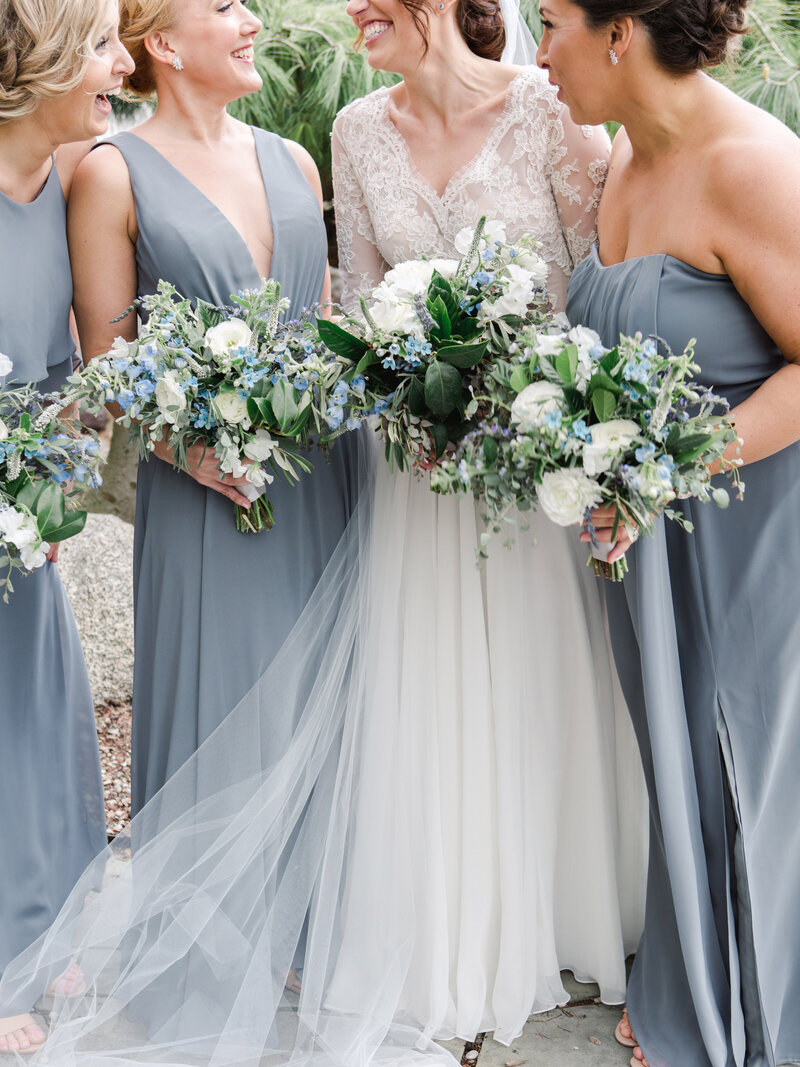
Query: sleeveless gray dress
point(706, 632)
point(52, 819)
point(213, 606)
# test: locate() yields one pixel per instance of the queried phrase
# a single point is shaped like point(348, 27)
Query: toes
point(36, 1034)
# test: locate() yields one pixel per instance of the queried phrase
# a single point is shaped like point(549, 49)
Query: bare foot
point(69, 984)
point(638, 1059)
point(293, 983)
point(624, 1032)
point(25, 1037)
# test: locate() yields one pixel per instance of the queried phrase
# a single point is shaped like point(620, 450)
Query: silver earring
point(441, 7)
point(612, 55)
point(177, 62)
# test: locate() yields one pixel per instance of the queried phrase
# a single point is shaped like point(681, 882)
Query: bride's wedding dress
point(503, 796)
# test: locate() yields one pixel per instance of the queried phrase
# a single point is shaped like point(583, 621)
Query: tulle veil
point(186, 926)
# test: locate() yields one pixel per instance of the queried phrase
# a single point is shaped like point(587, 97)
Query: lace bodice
point(537, 172)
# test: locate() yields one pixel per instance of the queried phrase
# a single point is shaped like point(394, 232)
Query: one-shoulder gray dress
point(212, 605)
point(52, 820)
point(706, 634)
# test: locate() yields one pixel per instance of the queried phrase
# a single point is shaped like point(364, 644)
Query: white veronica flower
point(169, 395)
point(609, 440)
point(228, 335)
point(566, 494)
point(534, 402)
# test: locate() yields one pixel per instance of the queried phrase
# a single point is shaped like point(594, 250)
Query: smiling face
point(391, 36)
point(83, 112)
point(577, 61)
point(214, 39)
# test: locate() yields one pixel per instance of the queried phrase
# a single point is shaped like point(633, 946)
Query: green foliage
point(766, 70)
point(305, 56)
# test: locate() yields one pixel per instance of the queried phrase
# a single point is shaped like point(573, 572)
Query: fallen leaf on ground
point(515, 1063)
point(595, 1041)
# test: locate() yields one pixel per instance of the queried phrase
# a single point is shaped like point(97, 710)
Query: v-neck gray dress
point(52, 821)
point(706, 634)
point(212, 605)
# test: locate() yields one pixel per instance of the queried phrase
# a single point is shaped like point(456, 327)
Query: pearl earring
point(177, 62)
point(612, 55)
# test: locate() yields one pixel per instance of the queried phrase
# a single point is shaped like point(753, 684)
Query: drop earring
point(177, 62)
point(612, 55)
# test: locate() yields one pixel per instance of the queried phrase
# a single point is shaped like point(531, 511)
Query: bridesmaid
point(699, 237)
point(199, 199)
point(58, 61)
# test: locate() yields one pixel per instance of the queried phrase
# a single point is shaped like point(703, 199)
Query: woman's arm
point(102, 230)
point(578, 164)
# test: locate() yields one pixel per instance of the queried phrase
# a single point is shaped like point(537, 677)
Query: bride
point(503, 745)
point(449, 812)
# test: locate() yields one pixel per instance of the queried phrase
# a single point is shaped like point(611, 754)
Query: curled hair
point(45, 46)
point(480, 22)
point(138, 19)
point(686, 35)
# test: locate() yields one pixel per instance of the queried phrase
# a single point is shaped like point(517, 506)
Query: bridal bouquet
point(431, 329)
point(43, 459)
point(254, 390)
point(573, 425)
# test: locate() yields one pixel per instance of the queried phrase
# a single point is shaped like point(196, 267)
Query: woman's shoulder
point(362, 110)
point(532, 89)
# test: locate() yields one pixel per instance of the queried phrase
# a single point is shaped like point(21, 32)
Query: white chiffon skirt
point(501, 820)
point(431, 801)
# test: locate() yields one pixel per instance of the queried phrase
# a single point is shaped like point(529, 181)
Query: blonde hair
point(44, 50)
point(137, 20)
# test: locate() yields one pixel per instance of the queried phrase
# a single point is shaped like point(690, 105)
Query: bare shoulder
point(305, 162)
point(104, 172)
point(68, 157)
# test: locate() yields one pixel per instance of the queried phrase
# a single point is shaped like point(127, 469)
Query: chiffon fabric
point(500, 742)
point(52, 820)
point(706, 630)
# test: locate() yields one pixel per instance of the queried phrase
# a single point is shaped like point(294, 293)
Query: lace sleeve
point(577, 169)
point(360, 260)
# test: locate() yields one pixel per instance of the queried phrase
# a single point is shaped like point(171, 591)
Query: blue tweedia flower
point(637, 370)
point(300, 383)
point(650, 348)
point(597, 352)
point(359, 385)
point(134, 370)
point(581, 431)
point(121, 366)
point(481, 278)
point(388, 363)
point(340, 393)
point(553, 420)
point(379, 406)
point(645, 452)
point(125, 398)
point(353, 423)
point(145, 388)
point(665, 468)
point(203, 418)
point(334, 416)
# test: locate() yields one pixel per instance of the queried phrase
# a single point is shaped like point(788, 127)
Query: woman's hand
point(603, 520)
point(202, 465)
point(52, 555)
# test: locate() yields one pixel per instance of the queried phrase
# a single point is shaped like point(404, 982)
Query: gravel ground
point(114, 736)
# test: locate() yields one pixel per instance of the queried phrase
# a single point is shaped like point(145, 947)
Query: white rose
point(609, 439)
point(6, 366)
point(232, 408)
point(566, 494)
point(34, 556)
point(260, 447)
point(448, 268)
point(394, 315)
point(534, 402)
point(228, 335)
point(518, 285)
point(169, 394)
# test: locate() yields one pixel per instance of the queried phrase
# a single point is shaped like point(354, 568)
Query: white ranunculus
point(228, 335)
point(391, 314)
point(609, 439)
point(260, 447)
point(534, 402)
point(566, 494)
point(6, 366)
point(34, 556)
point(168, 395)
point(409, 278)
point(232, 408)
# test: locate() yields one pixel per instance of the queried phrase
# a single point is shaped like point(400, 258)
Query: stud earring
point(441, 7)
point(612, 55)
point(177, 62)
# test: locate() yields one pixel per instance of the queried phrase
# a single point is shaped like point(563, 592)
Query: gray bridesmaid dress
point(706, 633)
point(213, 606)
point(52, 819)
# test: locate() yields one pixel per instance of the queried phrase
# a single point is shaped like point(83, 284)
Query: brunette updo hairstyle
point(137, 20)
point(686, 35)
point(480, 22)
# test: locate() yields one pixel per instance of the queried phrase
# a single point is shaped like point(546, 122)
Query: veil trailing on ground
point(187, 926)
point(520, 43)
